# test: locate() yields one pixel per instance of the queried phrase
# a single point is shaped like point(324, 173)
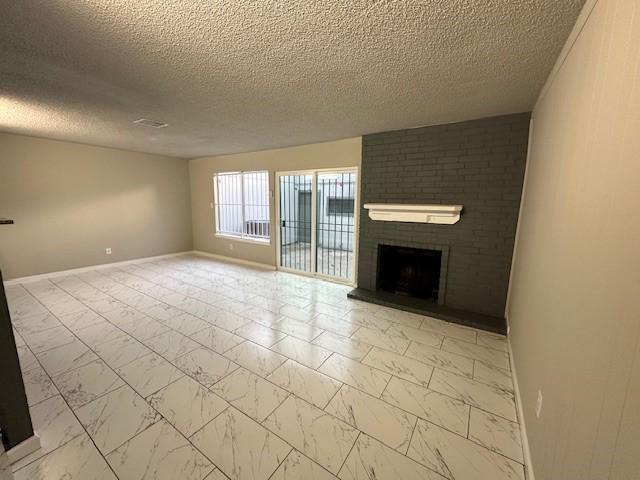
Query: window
point(242, 205)
point(340, 206)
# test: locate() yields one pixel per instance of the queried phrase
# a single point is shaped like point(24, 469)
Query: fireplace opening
point(414, 272)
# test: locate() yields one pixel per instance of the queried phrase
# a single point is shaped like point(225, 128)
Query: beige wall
point(574, 307)
point(71, 201)
point(341, 153)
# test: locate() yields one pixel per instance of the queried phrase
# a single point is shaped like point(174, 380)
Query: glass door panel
point(335, 224)
point(295, 222)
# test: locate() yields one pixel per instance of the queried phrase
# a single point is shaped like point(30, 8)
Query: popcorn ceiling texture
point(232, 76)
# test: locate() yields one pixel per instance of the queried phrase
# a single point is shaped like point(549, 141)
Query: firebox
point(413, 272)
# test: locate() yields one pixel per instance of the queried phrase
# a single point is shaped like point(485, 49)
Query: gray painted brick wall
point(479, 164)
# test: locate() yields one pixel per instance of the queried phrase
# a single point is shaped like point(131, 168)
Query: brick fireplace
point(478, 164)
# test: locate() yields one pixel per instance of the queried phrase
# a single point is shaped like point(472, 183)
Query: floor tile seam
point(414, 422)
point(176, 291)
point(482, 347)
point(77, 419)
point(162, 417)
point(462, 401)
point(474, 444)
point(252, 420)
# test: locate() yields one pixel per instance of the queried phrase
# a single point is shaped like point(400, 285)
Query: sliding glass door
point(317, 216)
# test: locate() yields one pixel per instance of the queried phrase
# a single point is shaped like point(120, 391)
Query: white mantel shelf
point(389, 212)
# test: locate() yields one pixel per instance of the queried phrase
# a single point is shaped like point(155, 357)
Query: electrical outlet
point(539, 404)
point(108, 250)
point(231, 246)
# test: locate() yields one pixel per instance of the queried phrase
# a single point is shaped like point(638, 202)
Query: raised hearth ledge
point(431, 309)
point(389, 212)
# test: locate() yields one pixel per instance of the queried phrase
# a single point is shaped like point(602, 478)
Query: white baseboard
point(239, 261)
point(523, 428)
point(74, 271)
point(23, 449)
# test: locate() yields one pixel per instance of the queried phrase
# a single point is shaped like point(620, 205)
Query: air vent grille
point(150, 123)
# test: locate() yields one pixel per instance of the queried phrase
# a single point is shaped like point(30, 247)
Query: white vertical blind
point(242, 204)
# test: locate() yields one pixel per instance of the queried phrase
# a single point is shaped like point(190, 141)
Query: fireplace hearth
point(414, 277)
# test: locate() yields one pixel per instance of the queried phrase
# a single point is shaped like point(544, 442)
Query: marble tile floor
point(192, 368)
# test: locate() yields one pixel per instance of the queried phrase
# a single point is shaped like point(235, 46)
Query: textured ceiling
point(231, 76)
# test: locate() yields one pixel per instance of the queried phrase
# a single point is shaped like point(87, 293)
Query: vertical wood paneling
point(575, 304)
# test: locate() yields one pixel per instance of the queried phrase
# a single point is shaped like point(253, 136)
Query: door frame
point(314, 192)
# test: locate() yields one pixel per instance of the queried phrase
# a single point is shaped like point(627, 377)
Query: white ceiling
point(232, 76)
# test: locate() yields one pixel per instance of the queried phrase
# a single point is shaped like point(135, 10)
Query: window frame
point(342, 213)
point(241, 237)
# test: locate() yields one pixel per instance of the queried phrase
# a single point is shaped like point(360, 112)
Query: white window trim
point(245, 239)
point(241, 237)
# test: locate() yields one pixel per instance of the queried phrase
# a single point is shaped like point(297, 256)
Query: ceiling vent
point(150, 123)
